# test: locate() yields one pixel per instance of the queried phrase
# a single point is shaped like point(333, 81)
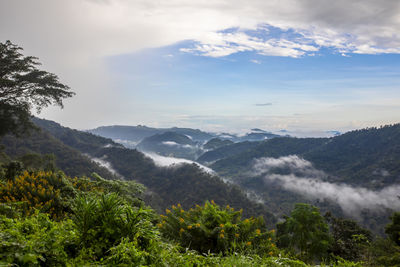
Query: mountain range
point(355, 174)
point(359, 163)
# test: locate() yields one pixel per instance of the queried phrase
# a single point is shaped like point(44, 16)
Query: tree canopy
point(22, 87)
point(393, 228)
point(305, 231)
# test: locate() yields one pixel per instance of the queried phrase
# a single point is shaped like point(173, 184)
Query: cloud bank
point(104, 163)
point(172, 143)
point(162, 161)
point(85, 30)
point(304, 179)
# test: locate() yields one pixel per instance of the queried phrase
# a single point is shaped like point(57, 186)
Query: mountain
point(132, 135)
point(239, 157)
point(254, 135)
point(226, 151)
point(216, 143)
point(257, 135)
point(70, 160)
point(357, 157)
point(76, 153)
point(368, 157)
point(334, 133)
point(170, 144)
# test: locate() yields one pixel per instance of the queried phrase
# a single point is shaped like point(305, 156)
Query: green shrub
point(103, 221)
point(214, 229)
point(46, 191)
point(36, 240)
point(305, 232)
point(128, 190)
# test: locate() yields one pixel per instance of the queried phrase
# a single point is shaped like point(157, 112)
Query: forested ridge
point(353, 157)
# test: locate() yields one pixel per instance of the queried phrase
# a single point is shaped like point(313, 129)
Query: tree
point(305, 231)
point(350, 240)
point(22, 87)
point(393, 228)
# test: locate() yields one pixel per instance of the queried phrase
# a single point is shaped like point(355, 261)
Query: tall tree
point(393, 228)
point(350, 240)
point(22, 87)
point(305, 231)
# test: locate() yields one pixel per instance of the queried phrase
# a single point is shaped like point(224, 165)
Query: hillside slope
point(70, 160)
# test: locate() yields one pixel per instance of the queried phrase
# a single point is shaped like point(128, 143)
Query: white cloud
point(104, 163)
point(162, 161)
point(170, 143)
point(255, 61)
point(78, 31)
point(224, 44)
point(304, 179)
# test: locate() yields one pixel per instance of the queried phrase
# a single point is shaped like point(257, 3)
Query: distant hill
point(70, 160)
point(216, 143)
point(171, 144)
point(136, 134)
point(357, 157)
point(254, 135)
point(257, 135)
point(226, 151)
point(368, 157)
point(239, 157)
point(130, 136)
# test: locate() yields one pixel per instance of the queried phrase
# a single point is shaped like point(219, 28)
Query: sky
point(306, 66)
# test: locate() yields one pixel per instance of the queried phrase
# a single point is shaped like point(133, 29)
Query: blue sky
point(217, 92)
point(306, 66)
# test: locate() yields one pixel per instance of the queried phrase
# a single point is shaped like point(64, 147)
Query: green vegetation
point(393, 229)
point(349, 239)
point(50, 219)
point(218, 230)
point(42, 143)
point(305, 231)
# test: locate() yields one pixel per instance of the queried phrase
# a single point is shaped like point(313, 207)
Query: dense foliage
point(305, 232)
point(393, 229)
point(210, 228)
point(349, 239)
point(104, 222)
point(43, 143)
